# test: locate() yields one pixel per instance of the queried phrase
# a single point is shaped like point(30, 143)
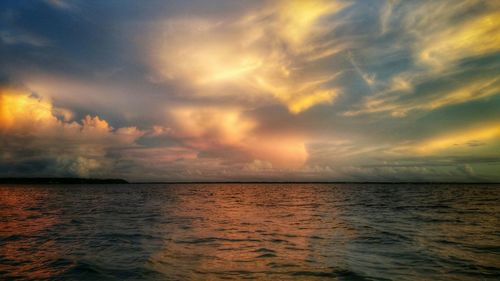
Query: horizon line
point(77, 180)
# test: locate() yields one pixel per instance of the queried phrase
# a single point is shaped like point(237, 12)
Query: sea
point(247, 231)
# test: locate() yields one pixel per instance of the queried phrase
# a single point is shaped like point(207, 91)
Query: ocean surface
point(250, 232)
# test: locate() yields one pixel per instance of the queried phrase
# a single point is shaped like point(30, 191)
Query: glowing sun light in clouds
point(20, 109)
point(458, 140)
point(267, 52)
point(32, 125)
point(264, 56)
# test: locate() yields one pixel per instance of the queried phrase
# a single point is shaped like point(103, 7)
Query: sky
point(278, 90)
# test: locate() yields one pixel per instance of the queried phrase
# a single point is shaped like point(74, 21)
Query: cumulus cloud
point(211, 130)
point(214, 140)
point(32, 133)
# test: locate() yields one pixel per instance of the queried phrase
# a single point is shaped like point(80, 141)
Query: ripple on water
point(250, 231)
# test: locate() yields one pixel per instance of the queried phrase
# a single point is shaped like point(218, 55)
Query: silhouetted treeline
point(61, 181)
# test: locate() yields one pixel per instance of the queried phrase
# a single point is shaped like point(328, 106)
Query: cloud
point(385, 15)
point(444, 41)
point(398, 101)
point(31, 131)
point(272, 51)
point(259, 166)
point(211, 124)
point(440, 157)
point(20, 38)
point(314, 90)
point(61, 4)
point(464, 140)
point(212, 129)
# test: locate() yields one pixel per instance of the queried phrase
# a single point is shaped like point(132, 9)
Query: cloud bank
point(251, 90)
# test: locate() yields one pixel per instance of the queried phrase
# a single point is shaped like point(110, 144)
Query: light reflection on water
point(250, 231)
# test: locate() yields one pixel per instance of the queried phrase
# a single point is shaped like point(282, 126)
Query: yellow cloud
point(79, 147)
point(443, 40)
point(267, 52)
point(19, 108)
point(211, 124)
point(301, 103)
point(96, 123)
point(297, 18)
point(459, 140)
point(443, 34)
point(475, 90)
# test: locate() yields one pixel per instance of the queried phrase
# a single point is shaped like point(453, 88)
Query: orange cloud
point(20, 109)
point(222, 125)
point(205, 128)
point(284, 152)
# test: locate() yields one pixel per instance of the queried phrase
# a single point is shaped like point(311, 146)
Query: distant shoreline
point(43, 180)
point(63, 180)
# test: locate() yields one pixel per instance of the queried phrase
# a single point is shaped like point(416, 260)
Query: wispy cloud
point(273, 51)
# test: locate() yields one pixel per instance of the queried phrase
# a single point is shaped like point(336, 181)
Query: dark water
point(250, 231)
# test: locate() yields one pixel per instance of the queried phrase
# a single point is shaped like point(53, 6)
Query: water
point(250, 231)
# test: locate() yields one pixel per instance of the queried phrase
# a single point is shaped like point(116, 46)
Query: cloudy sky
point(369, 90)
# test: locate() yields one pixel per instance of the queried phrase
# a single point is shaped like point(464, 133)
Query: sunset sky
point(209, 90)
